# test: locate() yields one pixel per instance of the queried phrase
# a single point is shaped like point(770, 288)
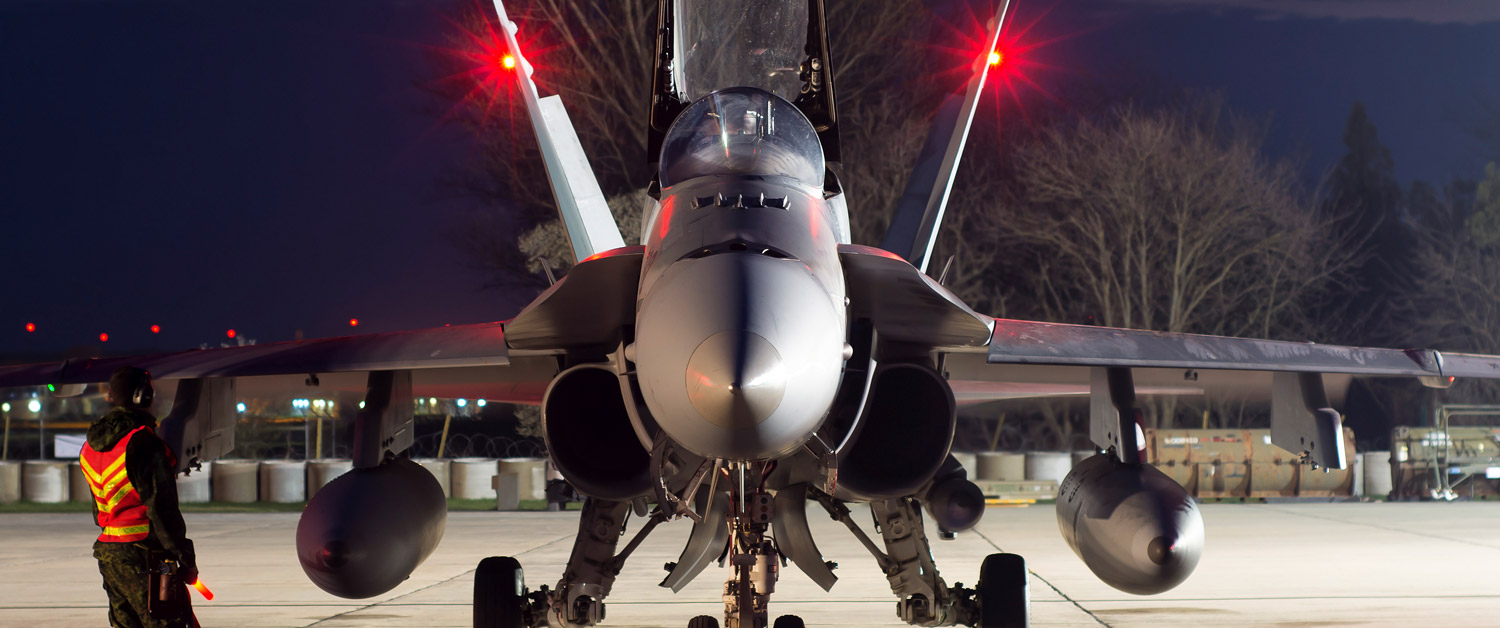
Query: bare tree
point(1166, 219)
point(598, 57)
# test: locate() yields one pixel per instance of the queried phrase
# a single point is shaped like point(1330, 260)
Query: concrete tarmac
point(1353, 564)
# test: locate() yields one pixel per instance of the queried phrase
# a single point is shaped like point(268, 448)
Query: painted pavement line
point(1039, 577)
point(1383, 527)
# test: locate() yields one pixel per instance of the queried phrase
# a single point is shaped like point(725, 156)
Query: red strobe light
point(229, 333)
point(103, 337)
point(354, 322)
point(156, 329)
point(30, 327)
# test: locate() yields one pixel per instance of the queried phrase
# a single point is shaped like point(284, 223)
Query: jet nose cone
point(735, 379)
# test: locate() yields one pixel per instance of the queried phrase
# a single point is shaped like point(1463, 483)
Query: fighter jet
point(746, 360)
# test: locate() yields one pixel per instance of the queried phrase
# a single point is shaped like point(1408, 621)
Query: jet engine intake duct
point(903, 438)
point(1136, 528)
point(364, 533)
point(590, 437)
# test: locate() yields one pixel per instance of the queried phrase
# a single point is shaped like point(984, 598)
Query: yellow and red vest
point(122, 514)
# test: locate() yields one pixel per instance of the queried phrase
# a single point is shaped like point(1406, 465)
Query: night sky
point(269, 166)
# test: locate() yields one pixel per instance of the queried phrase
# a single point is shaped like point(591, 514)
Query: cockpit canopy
point(741, 130)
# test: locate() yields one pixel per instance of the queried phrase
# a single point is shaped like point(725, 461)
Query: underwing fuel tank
point(1136, 528)
point(367, 530)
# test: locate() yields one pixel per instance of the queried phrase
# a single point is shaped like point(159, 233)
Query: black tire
point(703, 621)
point(1004, 594)
point(499, 594)
point(788, 621)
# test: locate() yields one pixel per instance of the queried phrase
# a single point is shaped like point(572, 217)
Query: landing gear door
point(200, 427)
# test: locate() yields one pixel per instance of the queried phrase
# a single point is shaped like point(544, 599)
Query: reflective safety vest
point(121, 512)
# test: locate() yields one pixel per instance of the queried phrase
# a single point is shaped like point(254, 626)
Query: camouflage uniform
point(123, 565)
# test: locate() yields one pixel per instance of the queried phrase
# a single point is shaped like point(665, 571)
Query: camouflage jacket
point(150, 472)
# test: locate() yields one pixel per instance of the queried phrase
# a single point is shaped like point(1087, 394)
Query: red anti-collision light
point(996, 58)
point(156, 329)
point(229, 333)
point(508, 62)
point(103, 337)
point(354, 322)
point(30, 327)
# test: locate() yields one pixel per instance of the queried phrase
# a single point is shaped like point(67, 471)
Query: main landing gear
point(1000, 600)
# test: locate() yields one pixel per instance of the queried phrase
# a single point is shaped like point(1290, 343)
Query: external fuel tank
point(1135, 528)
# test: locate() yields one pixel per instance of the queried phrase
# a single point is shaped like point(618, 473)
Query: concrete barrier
point(439, 469)
point(321, 472)
point(10, 482)
point(473, 478)
point(507, 486)
point(1012, 467)
point(1377, 473)
point(283, 481)
point(197, 487)
point(1359, 474)
point(970, 463)
point(1048, 465)
point(44, 481)
point(236, 481)
point(988, 464)
point(531, 476)
point(78, 486)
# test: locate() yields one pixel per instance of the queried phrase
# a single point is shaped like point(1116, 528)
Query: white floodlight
point(34, 406)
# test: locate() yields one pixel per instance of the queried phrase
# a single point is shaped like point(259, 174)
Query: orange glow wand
point(203, 589)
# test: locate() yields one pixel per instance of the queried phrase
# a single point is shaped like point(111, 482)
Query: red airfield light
point(230, 333)
point(354, 322)
point(103, 337)
point(30, 327)
point(156, 329)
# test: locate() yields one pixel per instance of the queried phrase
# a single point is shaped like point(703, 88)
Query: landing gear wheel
point(788, 621)
point(1004, 595)
point(703, 621)
point(499, 594)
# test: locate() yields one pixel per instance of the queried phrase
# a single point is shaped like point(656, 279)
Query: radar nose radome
point(738, 355)
point(735, 379)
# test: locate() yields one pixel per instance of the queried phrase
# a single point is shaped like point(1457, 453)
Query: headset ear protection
point(142, 396)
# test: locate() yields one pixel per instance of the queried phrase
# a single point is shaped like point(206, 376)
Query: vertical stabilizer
point(914, 227)
point(580, 204)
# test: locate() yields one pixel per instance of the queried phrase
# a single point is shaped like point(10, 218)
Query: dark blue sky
point(267, 167)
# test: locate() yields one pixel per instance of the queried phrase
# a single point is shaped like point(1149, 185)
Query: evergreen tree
point(1364, 195)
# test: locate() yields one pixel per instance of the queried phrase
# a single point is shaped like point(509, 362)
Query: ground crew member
point(130, 472)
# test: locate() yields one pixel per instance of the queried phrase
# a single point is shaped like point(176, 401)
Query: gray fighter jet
point(746, 359)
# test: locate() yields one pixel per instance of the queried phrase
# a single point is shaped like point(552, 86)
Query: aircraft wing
point(460, 346)
point(1116, 365)
point(987, 359)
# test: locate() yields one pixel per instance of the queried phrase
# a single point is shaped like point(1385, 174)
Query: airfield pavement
point(1346, 564)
